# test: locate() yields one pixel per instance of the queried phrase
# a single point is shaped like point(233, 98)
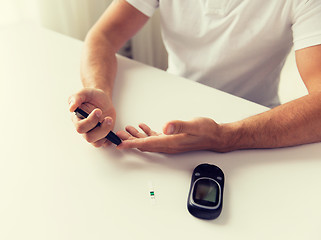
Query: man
point(238, 46)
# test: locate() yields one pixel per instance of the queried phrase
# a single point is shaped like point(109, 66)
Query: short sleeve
point(147, 7)
point(307, 24)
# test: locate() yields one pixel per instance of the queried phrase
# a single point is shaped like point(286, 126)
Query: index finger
point(75, 101)
point(84, 125)
point(162, 143)
point(79, 98)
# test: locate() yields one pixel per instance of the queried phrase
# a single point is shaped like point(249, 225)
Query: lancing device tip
point(111, 136)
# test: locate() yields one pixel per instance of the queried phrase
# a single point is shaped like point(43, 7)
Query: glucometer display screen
point(206, 192)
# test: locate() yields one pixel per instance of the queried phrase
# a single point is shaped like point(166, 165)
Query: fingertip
point(77, 99)
point(169, 128)
point(142, 125)
point(108, 121)
point(71, 102)
point(123, 135)
point(119, 133)
point(107, 144)
point(94, 115)
point(129, 128)
point(98, 112)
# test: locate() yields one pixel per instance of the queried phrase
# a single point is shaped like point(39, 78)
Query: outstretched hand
point(177, 137)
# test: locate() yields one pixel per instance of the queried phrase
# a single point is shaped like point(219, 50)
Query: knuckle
point(79, 128)
point(106, 144)
point(89, 138)
point(179, 127)
point(97, 145)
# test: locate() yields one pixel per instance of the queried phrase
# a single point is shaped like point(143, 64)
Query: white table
point(53, 185)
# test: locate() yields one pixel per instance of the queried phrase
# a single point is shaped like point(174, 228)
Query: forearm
point(114, 28)
point(98, 63)
point(294, 123)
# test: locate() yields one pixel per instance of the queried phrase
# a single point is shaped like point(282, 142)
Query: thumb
point(176, 127)
point(77, 99)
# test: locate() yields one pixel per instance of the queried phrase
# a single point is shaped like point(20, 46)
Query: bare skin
point(98, 70)
point(294, 123)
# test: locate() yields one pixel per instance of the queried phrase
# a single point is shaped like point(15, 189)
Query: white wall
point(292, 86)
point(147, 45)
point(75, 17)
point(70, 17)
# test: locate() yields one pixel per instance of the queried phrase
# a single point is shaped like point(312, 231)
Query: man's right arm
point(99, 66)
point(114, 28)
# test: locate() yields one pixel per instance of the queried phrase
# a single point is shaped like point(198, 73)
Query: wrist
point(98, 85)
point(229, 138)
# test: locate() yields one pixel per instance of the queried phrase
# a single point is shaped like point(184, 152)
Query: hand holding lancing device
point(100, 108)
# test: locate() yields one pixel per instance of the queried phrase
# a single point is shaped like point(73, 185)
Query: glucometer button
point(197, 174)
point(219, 178)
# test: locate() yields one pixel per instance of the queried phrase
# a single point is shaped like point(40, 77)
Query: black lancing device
point(110, 136)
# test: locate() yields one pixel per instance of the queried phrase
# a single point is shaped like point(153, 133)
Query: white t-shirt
point(238, 46)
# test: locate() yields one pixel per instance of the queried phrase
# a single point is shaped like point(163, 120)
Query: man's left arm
point(293, 123)
point(296, 122)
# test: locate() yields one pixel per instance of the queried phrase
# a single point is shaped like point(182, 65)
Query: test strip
point(152, 192)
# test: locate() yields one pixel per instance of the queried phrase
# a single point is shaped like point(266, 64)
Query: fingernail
point(71, 102)
point(98, 113)
point(109, 121)
point(170, 129)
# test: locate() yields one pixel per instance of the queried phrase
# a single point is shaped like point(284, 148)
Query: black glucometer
point(110, 136)
point(205, 199)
